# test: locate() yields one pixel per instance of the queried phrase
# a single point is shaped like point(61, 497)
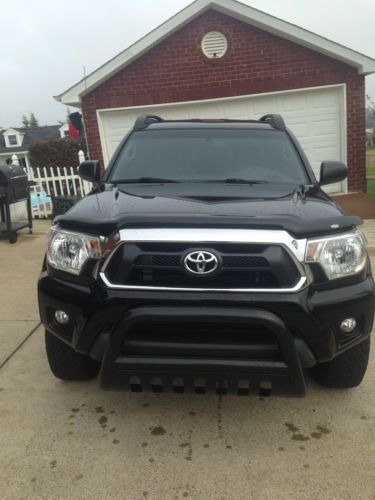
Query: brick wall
point(256, 61)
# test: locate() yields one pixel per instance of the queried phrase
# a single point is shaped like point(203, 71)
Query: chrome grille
point(160, 265)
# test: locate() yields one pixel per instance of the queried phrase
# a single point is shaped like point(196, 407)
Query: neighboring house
point(18, 140)
point(223, 59)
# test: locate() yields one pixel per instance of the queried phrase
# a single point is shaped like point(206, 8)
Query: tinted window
point(210, 154)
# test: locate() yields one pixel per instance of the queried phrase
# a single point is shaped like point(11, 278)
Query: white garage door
point(316, 116)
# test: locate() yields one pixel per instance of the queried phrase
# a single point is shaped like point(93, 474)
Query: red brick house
point(221, 58)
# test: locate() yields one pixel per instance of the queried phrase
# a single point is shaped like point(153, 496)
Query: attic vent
point(214, 45)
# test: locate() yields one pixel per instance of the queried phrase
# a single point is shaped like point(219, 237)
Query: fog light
point(348, 325)
point(61, 317)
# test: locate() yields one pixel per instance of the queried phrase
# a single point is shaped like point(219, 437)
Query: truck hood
point(110, 208)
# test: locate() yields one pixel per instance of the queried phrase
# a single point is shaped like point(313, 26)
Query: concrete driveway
point(74, 441)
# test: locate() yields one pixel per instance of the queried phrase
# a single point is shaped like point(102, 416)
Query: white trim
point(8, 153)
point(13, 132)
point(344, 135)
point(64, 128)
point(228, 98)
point(28, 166)
point(103, 142)
point(245, 13)
point(302, 283)
point(296, 247)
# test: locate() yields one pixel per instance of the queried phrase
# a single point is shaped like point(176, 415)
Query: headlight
point(69, 251)
point(339, 256)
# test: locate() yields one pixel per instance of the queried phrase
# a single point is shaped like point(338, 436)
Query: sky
point(46, 45)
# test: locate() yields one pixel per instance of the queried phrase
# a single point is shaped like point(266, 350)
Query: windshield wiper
point(300, 191)
point(235, 180)
point(144, 180)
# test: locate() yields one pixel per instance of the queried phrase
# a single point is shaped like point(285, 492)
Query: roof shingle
point(31, 135)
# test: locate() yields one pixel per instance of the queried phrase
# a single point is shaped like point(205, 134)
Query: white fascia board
point(11, 153)
point(12, 131)
point(365, 65)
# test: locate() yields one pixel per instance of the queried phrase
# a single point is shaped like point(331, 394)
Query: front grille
point(168, 260)
point(227, 279)
point(241, 266)
point(158, 260)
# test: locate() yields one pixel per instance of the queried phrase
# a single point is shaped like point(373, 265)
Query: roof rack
point(143, 121)
point(276, 121)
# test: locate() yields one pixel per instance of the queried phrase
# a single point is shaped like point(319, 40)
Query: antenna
point(84, 76)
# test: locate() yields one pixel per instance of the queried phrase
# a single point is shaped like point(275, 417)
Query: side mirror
point(90, 170)
point(331, 172)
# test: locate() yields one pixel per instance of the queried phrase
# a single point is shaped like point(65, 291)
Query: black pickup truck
point(207, 258)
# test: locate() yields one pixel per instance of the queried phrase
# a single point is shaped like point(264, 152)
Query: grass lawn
point(371, 173)
point(371, 189)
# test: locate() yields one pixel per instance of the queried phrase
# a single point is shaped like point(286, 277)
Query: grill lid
point(10, 174)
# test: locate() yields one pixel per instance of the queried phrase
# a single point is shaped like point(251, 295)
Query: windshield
point(209, 155)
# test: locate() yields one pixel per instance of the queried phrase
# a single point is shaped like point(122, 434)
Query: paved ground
point(357, 204)
point(74, 441)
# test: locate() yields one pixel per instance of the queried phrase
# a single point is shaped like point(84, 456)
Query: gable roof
point(13, 129)
point(364, 64)
point(30, 135)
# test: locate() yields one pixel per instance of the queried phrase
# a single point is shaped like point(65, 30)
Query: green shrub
point(54, 153)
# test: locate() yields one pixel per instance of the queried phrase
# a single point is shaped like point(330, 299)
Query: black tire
point(345, 371)
point(67, 364)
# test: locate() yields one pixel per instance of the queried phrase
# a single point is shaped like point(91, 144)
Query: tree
point(25, 121)
point(33, 122)
point(30, 122)
point(60, 122)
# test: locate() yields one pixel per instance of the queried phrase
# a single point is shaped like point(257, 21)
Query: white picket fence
point(54, 182)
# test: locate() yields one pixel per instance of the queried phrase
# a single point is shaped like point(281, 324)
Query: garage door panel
point(315, 116)
point(327, 98)
point(327, 152)
point(239, 111)
point(176, 113)
point(327, 129)
point(262, 106)
point(296, 103)
point(300, 129)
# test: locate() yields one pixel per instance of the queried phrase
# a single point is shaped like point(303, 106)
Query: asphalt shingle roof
point(31, 135)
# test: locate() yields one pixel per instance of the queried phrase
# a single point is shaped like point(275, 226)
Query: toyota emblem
point(201, 262)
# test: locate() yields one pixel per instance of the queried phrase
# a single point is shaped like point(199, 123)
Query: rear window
point(210, 154)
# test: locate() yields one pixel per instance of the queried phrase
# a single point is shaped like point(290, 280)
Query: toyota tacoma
point(208, 258)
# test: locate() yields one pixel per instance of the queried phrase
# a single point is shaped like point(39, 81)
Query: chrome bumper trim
point(295, 248)
point(301, 284)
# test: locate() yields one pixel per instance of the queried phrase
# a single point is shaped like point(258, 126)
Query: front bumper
point(306, 326)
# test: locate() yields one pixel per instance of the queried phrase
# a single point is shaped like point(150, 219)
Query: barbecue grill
point(14, 188)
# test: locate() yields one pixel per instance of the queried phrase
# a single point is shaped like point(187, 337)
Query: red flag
point(73, 132)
